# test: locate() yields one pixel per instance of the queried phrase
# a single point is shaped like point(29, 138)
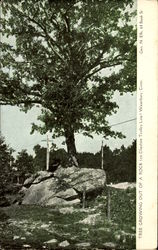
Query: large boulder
point(65, 187)
point(89, 179)
point(37, 178)
point(49, 192)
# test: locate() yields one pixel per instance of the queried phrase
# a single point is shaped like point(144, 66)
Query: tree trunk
point(71, 147)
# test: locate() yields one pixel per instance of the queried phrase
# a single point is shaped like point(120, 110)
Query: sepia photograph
point(68, 116)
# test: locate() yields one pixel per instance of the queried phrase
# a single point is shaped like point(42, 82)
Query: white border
point(147, 79)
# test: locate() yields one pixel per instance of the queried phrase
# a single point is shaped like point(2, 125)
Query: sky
point(16, 127)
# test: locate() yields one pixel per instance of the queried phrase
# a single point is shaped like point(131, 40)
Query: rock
point(80, 178)
point(69, 193)
point(117, 236)
point(90, 219)
point(85, 229)
point(73, 202)
point(64, 243)
point(28, 233)
point(64, 187)
point(50, 192)
point(23, 190)
point(44, 226)
point(104, 229)
point(29, 181)
point(110, 245)
point(23, 238)
point(84, 244)
point(65, 172)
point(66, 210)
point(16, 237)
point(37, 178)
point(53, 241)
point(123, 185)
point(41, 176)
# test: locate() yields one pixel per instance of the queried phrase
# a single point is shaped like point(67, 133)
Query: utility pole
point(47, 152)
point(102, 156)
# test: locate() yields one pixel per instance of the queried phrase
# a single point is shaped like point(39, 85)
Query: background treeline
point(119, 164)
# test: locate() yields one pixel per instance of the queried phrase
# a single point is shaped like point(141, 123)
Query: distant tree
point(61, 155)
point(123, 167)
point(87, 160)
point(55, 155)
point(6, 160)
point(70, 57)
point(107, 158)
point(39, 161)
point(119, 164)
point(128, 162)
point(24, 163)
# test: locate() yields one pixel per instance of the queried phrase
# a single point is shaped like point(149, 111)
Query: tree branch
point(13, 103)
point(50, 41)
point(102, 67)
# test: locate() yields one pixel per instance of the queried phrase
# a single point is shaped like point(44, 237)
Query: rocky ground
point(72, 227)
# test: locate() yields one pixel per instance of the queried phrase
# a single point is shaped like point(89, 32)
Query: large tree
point(69, 57)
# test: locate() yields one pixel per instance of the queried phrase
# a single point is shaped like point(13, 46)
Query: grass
point(34, 225)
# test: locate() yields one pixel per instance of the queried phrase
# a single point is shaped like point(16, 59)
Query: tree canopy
point(69, 57)
point(24, 162)
point(6, 159)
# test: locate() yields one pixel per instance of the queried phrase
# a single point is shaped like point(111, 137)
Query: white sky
point(16, 127)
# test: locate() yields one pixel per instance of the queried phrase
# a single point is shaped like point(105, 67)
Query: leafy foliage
point(5, 163)
point(119, 164)
point(24, 162)
point(69, 57)
point(123, 164)
point(126, 200)
point(39, 160)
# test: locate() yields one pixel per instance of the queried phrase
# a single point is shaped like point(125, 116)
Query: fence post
point(108, 205)
point(84, 197)
point(102, 156)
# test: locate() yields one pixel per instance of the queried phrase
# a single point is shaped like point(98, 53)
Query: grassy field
point(32, 227)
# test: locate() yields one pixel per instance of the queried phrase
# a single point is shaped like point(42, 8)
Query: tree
point(127, 163)
point(39, 160)
point(123, 164)
point(69, 57)
point(24, 163)
point(108, 160)
point(5, 163)
point(87, 160)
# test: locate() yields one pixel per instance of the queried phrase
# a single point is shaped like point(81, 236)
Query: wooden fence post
point(108, 205)
point(84, 197)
